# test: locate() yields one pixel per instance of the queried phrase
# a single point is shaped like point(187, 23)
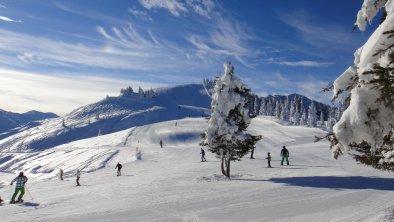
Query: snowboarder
point(61, 174)
point(78, 176)
point(119, 166)
point(20, 186)
point(203, 155)
point(269, 159)
point(285, 155)
point(161, 144)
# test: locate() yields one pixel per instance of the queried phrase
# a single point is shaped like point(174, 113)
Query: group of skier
point(21, 179)
point(284, 153)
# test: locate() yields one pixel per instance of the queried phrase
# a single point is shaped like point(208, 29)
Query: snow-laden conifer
point(225, 135)
point(366, 125)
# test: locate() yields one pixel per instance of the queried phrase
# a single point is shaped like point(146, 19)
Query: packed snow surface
point(171, 184)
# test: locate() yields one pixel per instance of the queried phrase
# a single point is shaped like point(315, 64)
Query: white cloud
point(143, 15)
point(6, 19)
point(24, 91)
point(302, 63)
point(226, 39)
point(2, 6)
point(175, 7)
point(201, 7)
point(122, 49)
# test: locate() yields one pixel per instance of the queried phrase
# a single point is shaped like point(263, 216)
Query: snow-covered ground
point(171, 184)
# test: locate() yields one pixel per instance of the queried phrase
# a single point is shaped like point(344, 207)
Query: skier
point(161, 144)
point(1, 201)
point(61, 174)
point(285, 155)
point(176, 123)
point(78, 176)
point(268, 159)
point(119, 166)
point(203, 155)
point(20, 186)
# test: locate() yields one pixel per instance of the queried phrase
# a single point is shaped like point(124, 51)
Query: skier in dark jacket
point(20, 186)
point(161, 144)
point(119, 166)
point(269, 159)
point(203, 155)
point(285, 155)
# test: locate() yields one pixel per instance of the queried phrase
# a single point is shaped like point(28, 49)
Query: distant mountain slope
point(10, 120)
point(110, 115)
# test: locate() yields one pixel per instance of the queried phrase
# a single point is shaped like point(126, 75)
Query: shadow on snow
point(335, 182)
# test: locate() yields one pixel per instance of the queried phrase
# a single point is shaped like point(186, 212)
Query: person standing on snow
point(20, 186)
point(61, 174)
point(203, 155)
point(119, 166)
point(269, 159)
point(285, 155)
point(78, 176)
point(161, 144)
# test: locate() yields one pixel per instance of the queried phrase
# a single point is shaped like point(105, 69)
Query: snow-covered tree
point(321, 119)
point(285, 110)
point(366, 125)
point(263, 107)
point(127, 91)
point(277, 110)
point(312, 115)
point(225, 135)
point(256, 104)
point(141, 92)
point(270, 109)
point(304, 117)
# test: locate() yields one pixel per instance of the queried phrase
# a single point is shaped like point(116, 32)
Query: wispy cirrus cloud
point(6, 19)
point(302, 63)
point(2, 6)
point(143, 15)
point(201, 7)
point(227, 39)
point(175, 7)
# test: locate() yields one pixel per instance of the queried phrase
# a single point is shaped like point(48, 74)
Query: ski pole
point(29, 194)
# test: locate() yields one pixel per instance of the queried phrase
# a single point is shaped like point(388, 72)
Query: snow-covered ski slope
point(109, 115)
point(171, 184)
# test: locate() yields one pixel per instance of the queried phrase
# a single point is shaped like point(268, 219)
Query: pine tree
point(141, 92)
point(263, 107)
point(277, 109)
point(304, 117)
point(366, 125)
point(321, 119)
point(225, 135)
point(285, 110)
point(312, 115)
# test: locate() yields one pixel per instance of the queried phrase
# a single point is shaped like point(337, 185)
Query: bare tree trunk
point(222, 166)
point(228, 167)
point(251, 153)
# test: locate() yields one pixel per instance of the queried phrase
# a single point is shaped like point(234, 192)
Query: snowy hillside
point(109, 115)
point(10, 120)
point(171, 184)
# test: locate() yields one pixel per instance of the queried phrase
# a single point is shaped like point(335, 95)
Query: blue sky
point(58, 55)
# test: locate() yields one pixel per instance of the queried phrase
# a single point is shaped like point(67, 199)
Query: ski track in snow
point(170, 184)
